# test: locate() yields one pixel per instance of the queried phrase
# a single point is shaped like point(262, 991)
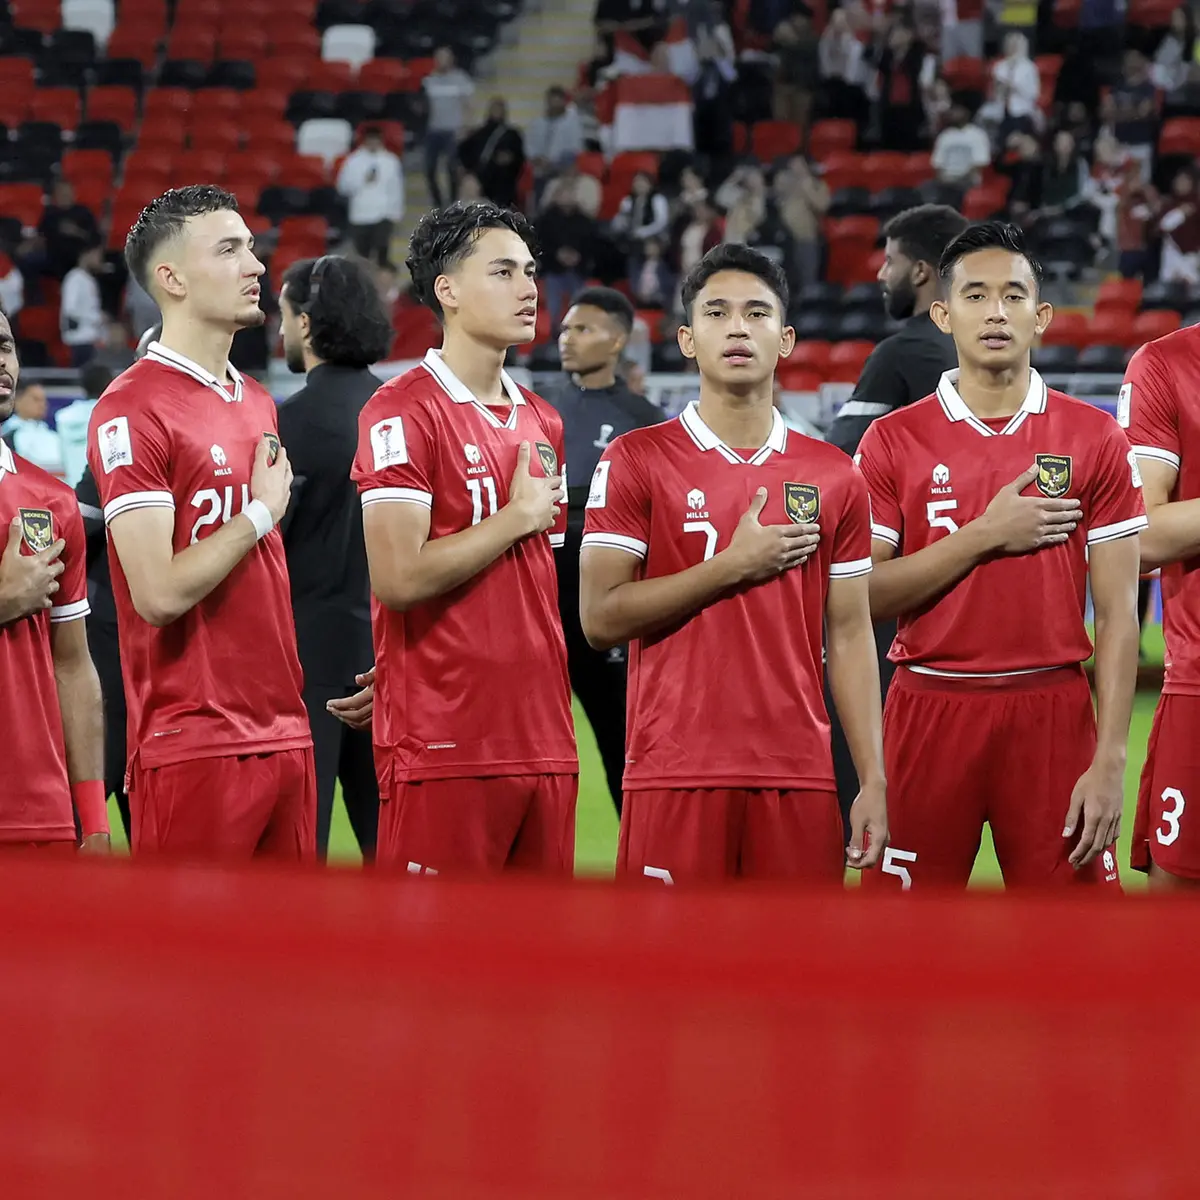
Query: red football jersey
point(734, 696)
point(929, 472)
point(225, 678)
point(35, 793)
point(472, 683)
point(1160, 409)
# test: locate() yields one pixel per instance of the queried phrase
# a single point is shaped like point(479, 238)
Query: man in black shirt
point(334, 327)
point(902, 369)
point(595, 407)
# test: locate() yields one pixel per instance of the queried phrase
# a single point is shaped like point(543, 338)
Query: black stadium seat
point(1165, 295)
point(99, 135)
point(864, 326)
point(815, 326)
point(848, 201)
point(309, 106)
point(1110, 359)
point(818, 297)
point(357, 107)
point(1055, 358)
point(120, 72)
point(863, 297)
point(183, 73)
point(231, 73)
point(76, 47)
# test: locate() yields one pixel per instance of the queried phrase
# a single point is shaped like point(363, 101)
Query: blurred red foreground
point(195, 1033)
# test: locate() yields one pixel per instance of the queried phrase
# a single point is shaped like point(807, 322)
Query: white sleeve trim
point(558, 540)
point(70, 612)
point(131, 500)
point(849, 570)
point(393, 495)
point(616, 541)
point(1159, 454)
point(884, 534)
point(1120, 529)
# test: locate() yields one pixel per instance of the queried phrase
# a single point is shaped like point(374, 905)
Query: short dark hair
point(988, 235)
point(164, 217)
point(924, 232)
point(731, 256)
point(608, 300)
point(94, 379)
point(348, 323)
point(445, 236)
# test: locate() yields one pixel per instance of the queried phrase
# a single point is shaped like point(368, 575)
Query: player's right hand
point(764, 551)
point(28, 581)
point(271, 482)
point(533, 499)
point(356, 710)
point(1018, 524)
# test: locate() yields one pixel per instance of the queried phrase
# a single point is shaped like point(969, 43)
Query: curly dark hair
point(445, 236)
point(164, 217)
point(924, 232)
point(732, 256)
point(348, 323)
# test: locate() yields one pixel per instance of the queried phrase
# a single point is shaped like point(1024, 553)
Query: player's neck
point(203, 344)
point(600, 377)
point(477, 367)
point(993, 394)
point(742, 420)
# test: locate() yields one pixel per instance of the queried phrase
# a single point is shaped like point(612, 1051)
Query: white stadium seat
point(327, 137)
point(96, 17)
point(353, 44)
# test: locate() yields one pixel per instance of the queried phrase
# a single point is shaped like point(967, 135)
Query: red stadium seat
point(243, 41)
point(1066, 13)
point(216, 104)
point(281, 74)
point(303, 171)
point(810, 355)
point(851, 242)
point(796, 377)
point(169, 104)
point(966, 74)
point(23, 201)
point(983, 201)
point(592, 162)
point(264, 103)
point(303, 229)
point(329, 77)
point(222, 136)
point(271, 136)
point(149, 167)
point(392, 132)
point(774, 139)
point(42, 15)
point(384, 75)
point(58, 105)
point(884, 169)
point(1180, 135)
point(1153, 324)
point(853, 352)
point(1127, 291)
point(1150, 14)
point(197, 42)
point(93, 193)
point(133, 39)
point(40, 322)
point(1116, 309)
point(87, 166)
point(198, 166)
point(112, 103)
point(1107, 327)
point(918, 169)
point(844, 169)
point(1067, 329)
point(161, 139)
point(17, 92)
point(418, 68)
point(198, 11)
point(827, 136)
point(295, 39)
point(654, 318)
point(124, 213)
point(610, 200)
point(251, 167)
point(625, 166)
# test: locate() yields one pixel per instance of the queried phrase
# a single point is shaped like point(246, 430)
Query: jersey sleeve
point(72, 595)
point(618, 503)
point(1147, 407)
point(1116, 508)
point(852, 535)
point(396, 458)
point(874, 462)
point(129, 451)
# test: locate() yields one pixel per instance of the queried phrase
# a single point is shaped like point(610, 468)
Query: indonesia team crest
point(1054, 474)
point(801, 502)
point(549, 459)
point(37, 525)
point(272, 447)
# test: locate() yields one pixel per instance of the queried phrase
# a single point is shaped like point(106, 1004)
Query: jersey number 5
point(219, 505)
point(934, 510)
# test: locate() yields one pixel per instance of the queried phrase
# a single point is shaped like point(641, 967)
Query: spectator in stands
point(647, 20)
point(961, 151)
point(495, 154)
point(555, 139)
point(900, 66)
point(1131, 109)
point(743, 196)
point(650, 279)
point(1137, 205)
point(712, 109)
point(448, 92)
point(372, 179)
point(1180, 228)
point(1064, 178)
point(702, 230)
point(840, 56)
point(643, 214)
point(691, 191)
point(1175, 52)
point(1016, 89)
point(1023, 165)
point(962, 29)
point(802, 200)
point(589, 119)
point(12, 287)
point(1100, 28)
point(113, 352)
point(81, 317)
point(587, 189)
point(140, 308)
point(568, 238)
point(1077, 121)
point(28, 432)
point(67, 229)
point(798, 68)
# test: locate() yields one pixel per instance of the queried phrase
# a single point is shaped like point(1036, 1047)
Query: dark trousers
point(597, 676)
point(843, 764)
point(373, 242)
point(106, 654)
point(441, 149)
point(340, 752)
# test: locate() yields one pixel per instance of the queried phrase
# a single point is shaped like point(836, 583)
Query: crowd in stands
point(804, 127)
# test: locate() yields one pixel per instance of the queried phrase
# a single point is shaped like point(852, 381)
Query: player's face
point(992, 310)
point(492, 294)
point(590, 339)
point(737, 334)
point(293, 324)
point(212, 268)
point(896, 279)
point(10, 369)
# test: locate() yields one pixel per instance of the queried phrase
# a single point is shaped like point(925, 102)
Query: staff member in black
point(595, 406)
point(902, 369)
point(334, 327)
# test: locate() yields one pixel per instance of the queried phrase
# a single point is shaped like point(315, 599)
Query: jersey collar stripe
point(8, 462)
point(459, 393)
point(166, 357)
point(1157, 453)
point(884, 534)
point(397, 495)
point(616, 541)
point(132, 500)
point(955, 407)
point(1119, 529)
point(70, 612)
point(704, 437)
point(850, 570)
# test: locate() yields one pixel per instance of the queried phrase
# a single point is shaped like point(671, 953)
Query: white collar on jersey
point(461, 394)
point(704, 437)
point(955, 407)
point(167, 357)
point(8, 464)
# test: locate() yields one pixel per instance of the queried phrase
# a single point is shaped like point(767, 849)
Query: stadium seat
point(796, 377)
point(851, 240)
point(393, 132)
point(1150, 14)
point(241, 41)
point(192, 43)
point(352, 44)
point(986, 200)
point(137, 41)
point(295, 39)
point(303, 171)
point(1180, 135)
point(1067, 329)
point(215, 134)
point(1107, 359)
point(327, 139)
point(57, 105)
point(71, 48)
point(112, 103)
point(252, 168)
point(1105, 327)
point(96, 17)
point(774, 139)
point(282, 74)
point(384, 75)
point(197, 166)
point(966, 74)
point(99, 135)
point(883, 169)
point(1165, 295)
point(1055, 358)
point(188, 73)
point(168, 103)
point(36, 15)
point(827, 136)
point(238, 74)
point(272, 137)
point(1126, 291)
point(82, 166)
point(818, 297)
point(23, 201)
point(812, 356)
point(216, 104)
point(1156, 323)
point(359, 107)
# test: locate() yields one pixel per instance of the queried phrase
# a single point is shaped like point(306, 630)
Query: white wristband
point(260, 517)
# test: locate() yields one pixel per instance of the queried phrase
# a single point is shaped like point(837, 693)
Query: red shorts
point(1007, 751)
point(58, 848)
point(1165, 830)
point(709, 834)
point(439, 826)
point(227, 808)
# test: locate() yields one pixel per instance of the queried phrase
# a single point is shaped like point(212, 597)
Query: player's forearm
point(1173, 535)
point(644, 606)
point(853, 671)
point(904, 583)
point(82, 709)
point(1117, 637)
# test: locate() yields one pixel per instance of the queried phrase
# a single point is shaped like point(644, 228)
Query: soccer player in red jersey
point(54, 758)
point(462, 484)
point(720, 546)
point(1158, 408)
point(992, 502)
point(193, 482)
